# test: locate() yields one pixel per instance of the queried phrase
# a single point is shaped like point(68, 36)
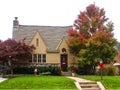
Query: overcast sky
point(51, 13)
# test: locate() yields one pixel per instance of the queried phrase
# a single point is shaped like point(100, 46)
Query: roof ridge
point(45, 26)
point(51, 35)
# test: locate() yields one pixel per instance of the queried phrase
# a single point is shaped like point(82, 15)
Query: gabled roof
point(51, 35)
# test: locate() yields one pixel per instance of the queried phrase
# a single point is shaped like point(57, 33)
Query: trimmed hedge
point(53, 70)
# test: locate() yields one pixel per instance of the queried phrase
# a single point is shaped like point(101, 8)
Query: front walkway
point(79, 79)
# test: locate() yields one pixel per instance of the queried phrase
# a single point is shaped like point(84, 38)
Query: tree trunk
point(10, 65)
point(94, 69)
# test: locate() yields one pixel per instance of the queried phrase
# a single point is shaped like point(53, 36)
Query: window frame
point(39, 58)
point(34, 59)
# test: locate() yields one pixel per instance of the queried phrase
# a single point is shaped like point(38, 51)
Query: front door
point(64, 62)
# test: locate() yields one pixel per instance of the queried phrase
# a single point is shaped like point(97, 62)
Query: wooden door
point(64, 62)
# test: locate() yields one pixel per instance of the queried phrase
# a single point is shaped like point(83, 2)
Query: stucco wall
point(51, 57)
point(41, 48)
point(71, 58)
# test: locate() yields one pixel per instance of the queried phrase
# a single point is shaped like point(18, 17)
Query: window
point(40, 58)
point(64, 50)
point(37, 42)
point(44, 58)
point(34, 57)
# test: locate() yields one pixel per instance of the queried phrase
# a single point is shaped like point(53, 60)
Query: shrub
point(53, 70)
point(110, 71)
point(85, 70)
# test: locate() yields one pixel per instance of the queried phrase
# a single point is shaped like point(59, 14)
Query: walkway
point(2, 79)
point(79, 79)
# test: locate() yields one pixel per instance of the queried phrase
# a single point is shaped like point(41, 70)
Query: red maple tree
point(91, 38)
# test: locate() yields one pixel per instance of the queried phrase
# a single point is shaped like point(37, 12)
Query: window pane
point(39, 57)
point(44, 57)
point(34, 57)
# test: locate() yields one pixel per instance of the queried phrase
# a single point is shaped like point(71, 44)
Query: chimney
point(15, 22)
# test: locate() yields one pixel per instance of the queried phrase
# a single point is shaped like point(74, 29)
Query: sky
point(51, 13)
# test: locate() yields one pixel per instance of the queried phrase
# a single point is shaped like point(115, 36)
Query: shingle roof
point(51, 35)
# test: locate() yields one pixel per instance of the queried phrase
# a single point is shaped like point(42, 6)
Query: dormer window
point(37, 42)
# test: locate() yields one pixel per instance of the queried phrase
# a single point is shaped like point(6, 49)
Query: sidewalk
point(2, 79)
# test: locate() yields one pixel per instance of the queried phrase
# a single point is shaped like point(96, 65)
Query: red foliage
point(72, 32)
point(90, 26)
point(75, 33)
point(89, 21)
point(16, 50)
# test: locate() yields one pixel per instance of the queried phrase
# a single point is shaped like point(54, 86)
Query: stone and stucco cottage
point(50, 42)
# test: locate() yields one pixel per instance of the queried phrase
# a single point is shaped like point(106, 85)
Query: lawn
point(39, 82)
point(110, 82)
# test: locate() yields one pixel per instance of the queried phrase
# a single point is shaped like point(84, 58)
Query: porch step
point(66, 73)
point(89, 86)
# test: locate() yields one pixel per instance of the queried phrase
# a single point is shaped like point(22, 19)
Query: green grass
point(110, 82)
point(39, 82)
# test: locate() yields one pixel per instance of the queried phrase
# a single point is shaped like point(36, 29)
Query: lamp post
point(10, 65)
point(9, 61)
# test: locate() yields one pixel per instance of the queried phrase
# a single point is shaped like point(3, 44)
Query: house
point(117, 58)
point(50, 42)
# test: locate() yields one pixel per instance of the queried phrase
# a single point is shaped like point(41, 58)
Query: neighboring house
point(117, 58)
point(50, 42)
point(118, 45)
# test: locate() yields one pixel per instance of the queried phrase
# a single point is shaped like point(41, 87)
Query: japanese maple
point(14, 51)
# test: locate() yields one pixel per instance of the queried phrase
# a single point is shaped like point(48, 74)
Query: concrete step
point(89, 86)
point(91, 89)
point(67, 73)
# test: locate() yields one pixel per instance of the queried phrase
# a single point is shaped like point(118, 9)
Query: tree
point(99, 47)
point(92, 39)
point(13, 51)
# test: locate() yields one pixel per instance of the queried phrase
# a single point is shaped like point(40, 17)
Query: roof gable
point(51, 35)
